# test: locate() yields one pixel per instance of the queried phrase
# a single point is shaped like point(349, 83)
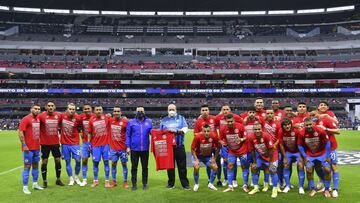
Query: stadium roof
point(180, 5)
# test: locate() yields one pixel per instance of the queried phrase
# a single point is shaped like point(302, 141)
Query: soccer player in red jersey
point(278, 113)
point(117, 132)
point(330, 126)
point(202, 149)
point(288, 113)
point(263, 157)
point(233, 136)
point(70, 141)
point(99, 142)
point(314, 146)
point(49, 141)
point(323, 109)
point(85, 148)
point(29, 134)
point(205, 118)
point(221, 120)
point(288, 136)
point(259, 109)
point(302, 113)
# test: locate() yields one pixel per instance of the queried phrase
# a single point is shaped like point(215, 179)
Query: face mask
point(314, 119)
point(172, 113)
point(140, 115)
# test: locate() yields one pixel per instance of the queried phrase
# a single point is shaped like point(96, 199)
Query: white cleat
point(224, 183)
point(301, 191)
point(235, 184)
point(83, 183)
point(26, 190)
point(319, 185)
point(77, 180)
point(335, 194)
point(196, 187)
point(286, 189)
point(36, 186)
point(71, 182)
point(229, 189)
point(212, 187)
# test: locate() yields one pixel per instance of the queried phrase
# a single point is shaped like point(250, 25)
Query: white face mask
point(172, 113)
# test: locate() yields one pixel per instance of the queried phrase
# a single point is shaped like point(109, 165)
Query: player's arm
point(194, 145)
point(22, 140)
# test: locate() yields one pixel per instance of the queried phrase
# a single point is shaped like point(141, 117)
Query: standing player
point(202, 148)
point(278, 113)
point(221, 120)
point(302, 113)
point(314, 146)
point(259, 109)
point(70, 142)
point(117, 132)
point(263, 157)
point(329, 125)
point(29, 134)
point(288, 113)
point(49, 141)
point(233, 136)
point(324, 111)
point(99, 143)
point(85, 149)
point(288, 137)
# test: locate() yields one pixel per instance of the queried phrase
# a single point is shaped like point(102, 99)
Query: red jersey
point(328, 123)
point(204, 146)
point(315, 142)
point(200, 122)
point(49, 128)
point(263, 146)
point(70, 129)
point(299, 119)
point(98, 129)
point(30, 126)
point(232, 136)
point(289, 140)
point(258, 113)
point(249, 124)
point(273, 127)
point(117, 132)
point(85, 126)
point(162, 142)
point(279, 113)
point(221, 120)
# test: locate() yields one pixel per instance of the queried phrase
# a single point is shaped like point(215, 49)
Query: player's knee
point(35, 165)
point(114, 164)
point(309, 170)
point(225, 160)
point(44, 161)
point(214, 167)
point(300, 166)
point(231, 166)
point(27, 165)
point(196, 168)
point(327, 170)
point(334, 167)
point(85, 161)
point(123, 164)
point(57, 159)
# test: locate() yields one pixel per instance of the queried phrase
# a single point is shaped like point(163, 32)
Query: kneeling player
point(263, 157)
point(314, 146)
point(202, 150)
point(288, 137)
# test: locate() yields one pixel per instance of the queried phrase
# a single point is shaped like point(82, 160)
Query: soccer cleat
point(301, 191)
point(286, 189)
point(319, 185)
point(335, 194)
point(212, 187)
point(26, 190)
point(229, 189)
point(170, 187)
point(77, 180)
point(235, 184)
point(253, 191)
point(312, 193)
point(83, 183)
point(59, 183)
point(224, 183)
point(245, 188)
point(274, 192)
point(126, 185)
point(327, 193)
point(44, 184)
point(145, 187)
point(134, 187)
point(113, 184)
point(278, 189)
point(36, 186)
point(71, 182)
point(266, 187)
point(187, 188)
point(107, 184)
point(95, 183)
point(218, 183)
point(321, 190)
point(196, 187)
point(292, 186)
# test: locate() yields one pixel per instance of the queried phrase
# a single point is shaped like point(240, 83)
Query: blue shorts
point(292, 157)
point(224, 152)
point(118, 154)
point(101, 151)
point(32, 156)
point(85, 150)
point(245, 160)
point(334, 156)
point(261, 163)
point(70, 151)
point(313, 160)
point(206, 160)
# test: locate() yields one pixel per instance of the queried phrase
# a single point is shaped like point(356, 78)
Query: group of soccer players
point(268, 140)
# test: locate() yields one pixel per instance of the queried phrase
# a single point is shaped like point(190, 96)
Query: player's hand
point(328, 160)
point(321, 126)
point(196, 163)
point(285, 161)
point(306, 160)
point(26, 149)
point(128, 151)
point(212, 160)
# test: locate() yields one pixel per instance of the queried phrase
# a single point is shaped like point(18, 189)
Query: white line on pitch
point(14, 169)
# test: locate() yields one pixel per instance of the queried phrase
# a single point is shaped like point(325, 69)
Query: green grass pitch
point(11, 186)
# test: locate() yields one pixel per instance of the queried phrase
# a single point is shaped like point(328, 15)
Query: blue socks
point(274, 179)
point(196, 177)
point(336, 180)
point(311, 184)
point(225, 169)
point(301, 178)
point(35, 174)
point(77, 167)
point(68, 167)
point(125, 172)
point(113, 173)
point(107, 170)
point(266, 177)
point(212, 176)
point(84, 171)
point(327, 184)
point(287, 176)
point(25, 176)
point(96, 170)
point(255, 178)
point(245, 175)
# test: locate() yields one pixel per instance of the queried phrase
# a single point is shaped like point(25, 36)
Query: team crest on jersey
point(316, 134)
point(26, 160)
point(236, 130)
point(210, 139)
point(292, 133)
